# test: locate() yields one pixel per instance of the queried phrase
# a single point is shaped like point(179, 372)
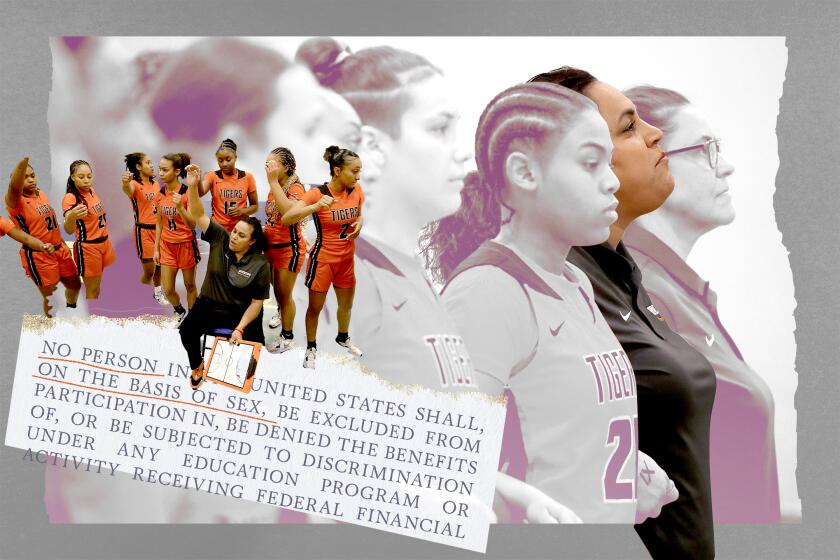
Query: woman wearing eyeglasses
point(745, 485)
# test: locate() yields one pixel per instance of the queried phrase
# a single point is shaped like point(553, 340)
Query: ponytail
point(180, 161)
point(447, 242)
point(132, 160)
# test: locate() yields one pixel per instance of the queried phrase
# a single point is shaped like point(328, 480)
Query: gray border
point(805, 202)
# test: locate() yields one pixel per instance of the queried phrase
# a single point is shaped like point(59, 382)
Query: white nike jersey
point(402, 326)
point(575, 389)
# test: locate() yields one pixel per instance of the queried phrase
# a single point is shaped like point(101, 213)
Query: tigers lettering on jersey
point(35, 216)
point(142, 202)
point(333, 224)
point(452, 360)
point(614, 375)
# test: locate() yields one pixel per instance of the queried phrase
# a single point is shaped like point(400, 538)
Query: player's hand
point(176, 199)
point(324, 202)
point(543, 509)
point(272, 171)
point(156, 256)
point(235, 212)
point(193, 175)
point(236, 337)
point(654, 489)
point(126, 179)
point(357, 228)
point(78, 212)
point(48, 248)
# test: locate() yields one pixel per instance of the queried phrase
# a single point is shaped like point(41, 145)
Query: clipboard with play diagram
point(233, 365)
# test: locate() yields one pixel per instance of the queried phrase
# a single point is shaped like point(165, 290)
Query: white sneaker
point(309, 358)
point(280, 345)
point(351, 348)
point(275, 321)
point(160, 298)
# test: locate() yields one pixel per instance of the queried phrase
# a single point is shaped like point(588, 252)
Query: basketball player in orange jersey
point(85, 216)
point(336, 209)
point(30, 210)
point(233, 191)
point(286, 243)
point(175, 245)
point(140, 187)
point(10, 229)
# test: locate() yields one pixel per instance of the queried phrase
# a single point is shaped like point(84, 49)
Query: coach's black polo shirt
point(676, 390)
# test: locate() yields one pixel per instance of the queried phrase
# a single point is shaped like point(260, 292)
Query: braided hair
point(529, 113)
point(71, 184)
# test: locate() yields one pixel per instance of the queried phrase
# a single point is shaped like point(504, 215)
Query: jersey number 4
point(622, 436)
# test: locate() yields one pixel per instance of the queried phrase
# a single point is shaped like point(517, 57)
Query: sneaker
point(160, 298)
point(309, 358)
point(275, 321)
point(280, 345)
point(197, 377)
point(180, 317)
point(351, 348)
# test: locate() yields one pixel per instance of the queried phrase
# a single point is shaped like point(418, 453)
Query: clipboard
point(233, 365)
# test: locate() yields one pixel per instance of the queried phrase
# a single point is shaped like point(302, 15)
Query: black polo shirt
point(232, 283)
point(676, 390)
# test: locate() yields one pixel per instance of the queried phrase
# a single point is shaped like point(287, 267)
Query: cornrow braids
point(227, 144)
point(524, 114)
point(71, 184)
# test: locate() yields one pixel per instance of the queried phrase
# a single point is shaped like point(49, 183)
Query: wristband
point(240, 331)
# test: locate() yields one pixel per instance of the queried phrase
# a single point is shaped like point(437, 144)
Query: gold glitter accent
point(40, 324)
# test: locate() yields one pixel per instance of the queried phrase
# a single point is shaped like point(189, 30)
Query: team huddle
point(536, 296)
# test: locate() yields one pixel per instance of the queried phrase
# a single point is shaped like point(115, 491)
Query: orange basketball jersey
point(35, 216)
point(229, 192)
point(143, 203)
point(92, 226)
point(174, 229)
point(333, 224)
point(277, 233)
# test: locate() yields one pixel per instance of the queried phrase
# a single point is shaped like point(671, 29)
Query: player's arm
point(357, 226)
point(253, 202)
point(539, 507)
point(205, 185)
point(71, 214)
point(196, 209)
point(185, 214)
point(654, 488)
point(32, 242)
point(281, 199)
point(158, 231)
point(127, 185)
point(300, 209)
point(15, 190)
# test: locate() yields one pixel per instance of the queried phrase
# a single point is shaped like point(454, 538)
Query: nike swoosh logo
point(557, 330)
point(625, 317)
point(399, 306)
point(710, 340)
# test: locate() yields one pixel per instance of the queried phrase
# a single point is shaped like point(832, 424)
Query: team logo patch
point(244, 273)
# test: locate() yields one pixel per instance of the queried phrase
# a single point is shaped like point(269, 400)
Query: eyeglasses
point(710, 147)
